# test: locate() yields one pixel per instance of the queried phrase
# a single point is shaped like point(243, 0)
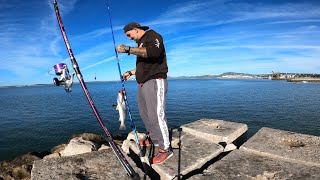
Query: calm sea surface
point(36, 118)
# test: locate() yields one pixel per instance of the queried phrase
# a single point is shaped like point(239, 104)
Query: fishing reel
point(65, 79)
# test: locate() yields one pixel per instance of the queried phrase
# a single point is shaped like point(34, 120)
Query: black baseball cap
point(133, 25)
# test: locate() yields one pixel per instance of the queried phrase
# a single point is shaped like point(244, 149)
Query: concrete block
point(195, 152)
point(242, 165)
point(285, 145)
point(216, 130)
point(95, 165)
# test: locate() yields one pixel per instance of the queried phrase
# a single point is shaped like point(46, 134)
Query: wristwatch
point(127, 49)
point(130, 73)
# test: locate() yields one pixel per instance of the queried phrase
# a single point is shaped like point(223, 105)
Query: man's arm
point(127, 74)
point(142, 52)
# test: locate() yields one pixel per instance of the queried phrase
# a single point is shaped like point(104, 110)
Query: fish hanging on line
point(121, 107)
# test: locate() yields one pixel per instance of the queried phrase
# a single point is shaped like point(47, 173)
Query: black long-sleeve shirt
point(155, 65)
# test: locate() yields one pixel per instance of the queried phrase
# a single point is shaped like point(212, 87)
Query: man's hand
point(126, 76)
point(121, 48)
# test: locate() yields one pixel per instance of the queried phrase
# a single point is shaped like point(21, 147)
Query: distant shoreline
point(31, 85)
point(227, 75)
point(170, 78)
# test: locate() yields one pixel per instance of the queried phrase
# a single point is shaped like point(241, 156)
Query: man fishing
point(151, 75)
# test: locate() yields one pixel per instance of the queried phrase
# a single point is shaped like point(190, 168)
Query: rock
point(20, 167)
point(78, 145)
point(53, 155)
point(98, 140)
point(95, 165)
point(58, 148)
point(103, 146)
point(229, 147)
point(126, 146)
point(131, 136)
point(130, 142)
point(22, 172)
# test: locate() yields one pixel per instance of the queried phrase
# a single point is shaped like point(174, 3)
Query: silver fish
point(121, 107)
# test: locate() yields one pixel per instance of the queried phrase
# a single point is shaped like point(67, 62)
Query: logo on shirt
point(157, 43)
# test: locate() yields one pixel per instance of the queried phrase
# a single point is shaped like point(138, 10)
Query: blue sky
point(201, 37)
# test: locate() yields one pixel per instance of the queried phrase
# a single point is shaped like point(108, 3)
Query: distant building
point(282, 76)
point(290, 76)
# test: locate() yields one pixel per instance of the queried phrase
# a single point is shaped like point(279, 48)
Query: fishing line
point(51, 74)
point(121, 79)
point(133, 127)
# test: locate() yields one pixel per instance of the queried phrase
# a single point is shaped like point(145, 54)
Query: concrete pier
point(286, 146)
point(242, 165)
point(216, 131)
point(195, 152)
point(205, 145)
point(270, 154)
point(199, 145)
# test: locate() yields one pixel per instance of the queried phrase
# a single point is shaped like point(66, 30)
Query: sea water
point(37, 118)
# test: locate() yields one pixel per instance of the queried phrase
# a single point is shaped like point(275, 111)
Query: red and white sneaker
point(162, 156)
point(145, 143)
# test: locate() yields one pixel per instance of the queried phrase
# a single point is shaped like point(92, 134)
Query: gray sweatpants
point(152, 107)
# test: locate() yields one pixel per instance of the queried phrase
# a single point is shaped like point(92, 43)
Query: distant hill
point(195, 77)
point(220, 76)
point(235, 73)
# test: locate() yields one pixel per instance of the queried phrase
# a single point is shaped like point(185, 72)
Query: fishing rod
point(179, 157)
point(133, 127)
point(76, 68)
point(179, 175)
